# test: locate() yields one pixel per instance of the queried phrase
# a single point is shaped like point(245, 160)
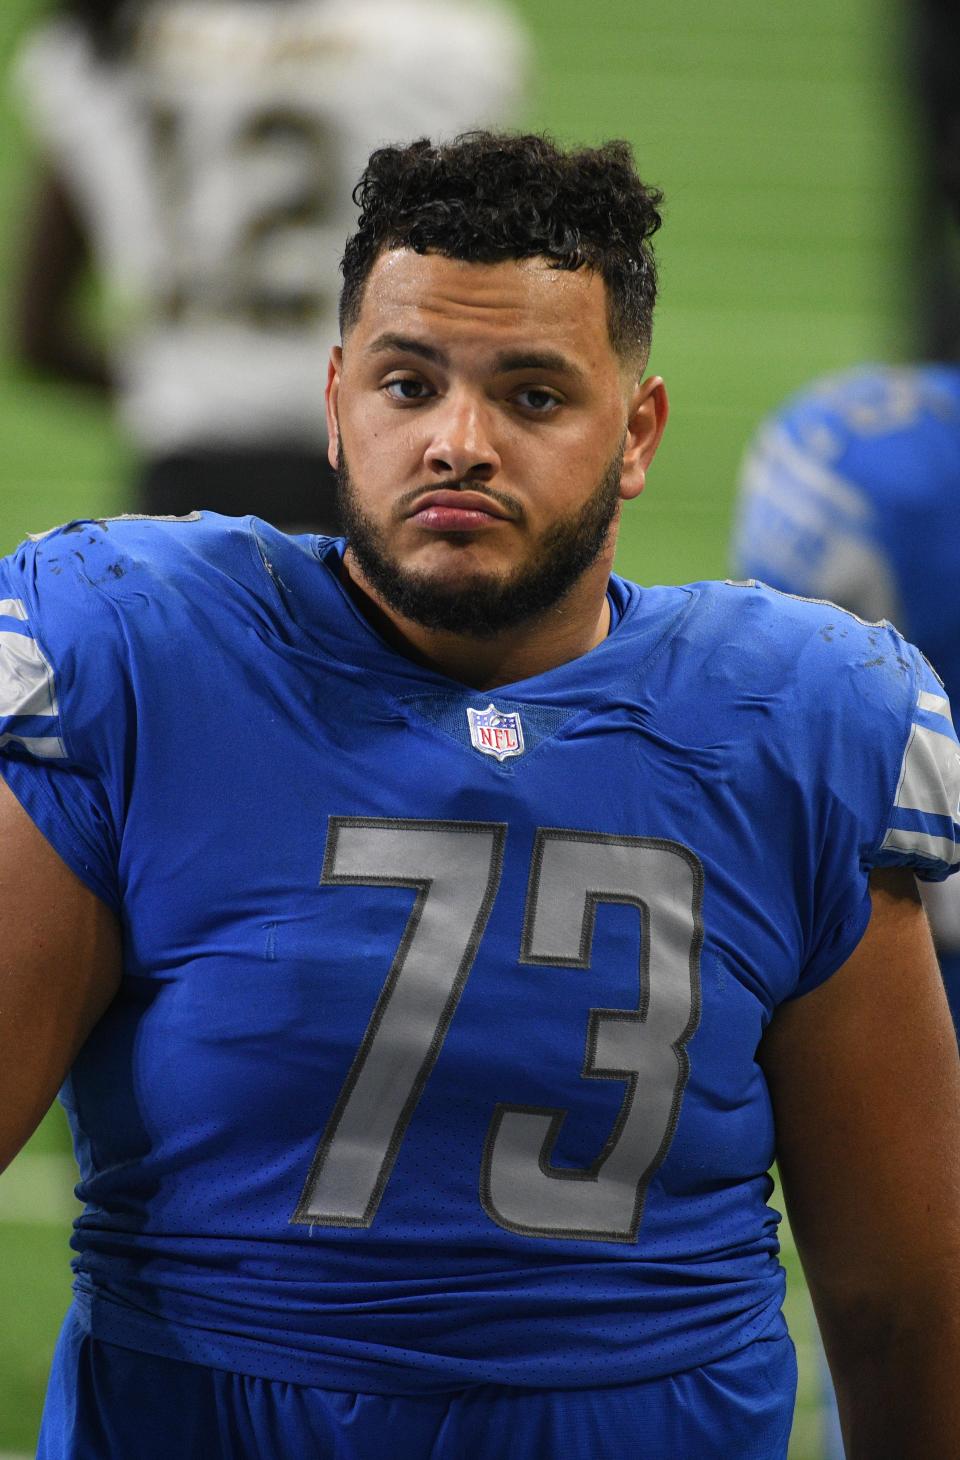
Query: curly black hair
point(487, 197)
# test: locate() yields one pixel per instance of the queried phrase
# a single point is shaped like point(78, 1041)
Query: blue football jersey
point(852, 492)
point(434, 1057)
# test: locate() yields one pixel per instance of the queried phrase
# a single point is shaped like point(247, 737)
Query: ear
point(647, 417)
point(332, 396)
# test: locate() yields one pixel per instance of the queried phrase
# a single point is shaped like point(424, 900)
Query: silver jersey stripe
point(937, 848)
point(13, 608)
point(936, 704)
point(930, 774)
point(26, 680)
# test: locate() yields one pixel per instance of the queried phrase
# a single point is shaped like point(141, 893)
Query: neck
point(571, 628)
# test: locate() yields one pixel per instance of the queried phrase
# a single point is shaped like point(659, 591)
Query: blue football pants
point(110, 1403)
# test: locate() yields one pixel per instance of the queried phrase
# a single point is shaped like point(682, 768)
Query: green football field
point(779, 136)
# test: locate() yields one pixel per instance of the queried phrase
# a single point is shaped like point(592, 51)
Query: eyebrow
point(505, 363)
point(407, 345)
point(550, 360)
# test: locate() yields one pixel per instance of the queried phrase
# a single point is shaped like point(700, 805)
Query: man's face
point(485, 432)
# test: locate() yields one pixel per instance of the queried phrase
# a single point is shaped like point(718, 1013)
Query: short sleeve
point(63, 701)
point(919, 824)
point(923, 825)
point(866, 765)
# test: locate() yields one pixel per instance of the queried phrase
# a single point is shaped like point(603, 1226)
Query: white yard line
point(39, 1188)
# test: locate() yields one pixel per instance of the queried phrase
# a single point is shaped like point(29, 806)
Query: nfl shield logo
point(495, 734)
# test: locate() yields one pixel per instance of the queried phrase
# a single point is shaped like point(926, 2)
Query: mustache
point(503, 500)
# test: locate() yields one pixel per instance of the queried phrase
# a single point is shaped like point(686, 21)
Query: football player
point(201, 153)
point(438, 936)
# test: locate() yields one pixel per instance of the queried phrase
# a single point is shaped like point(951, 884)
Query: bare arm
point(60, 964)
point(47, 332)
point(865, 1080)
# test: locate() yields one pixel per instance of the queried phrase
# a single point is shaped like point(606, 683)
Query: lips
point(456, 511)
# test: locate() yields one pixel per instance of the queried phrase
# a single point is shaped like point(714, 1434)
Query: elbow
point(875, 1341)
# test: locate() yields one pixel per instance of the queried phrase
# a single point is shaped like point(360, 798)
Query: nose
point(461, 447)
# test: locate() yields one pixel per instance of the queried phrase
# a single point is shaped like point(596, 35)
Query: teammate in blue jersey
point(438, 936)
point(850, 492)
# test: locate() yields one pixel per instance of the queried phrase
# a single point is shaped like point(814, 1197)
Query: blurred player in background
point(440, 933)
point(199, 154)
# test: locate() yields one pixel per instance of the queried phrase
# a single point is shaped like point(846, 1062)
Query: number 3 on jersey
point(455, 868)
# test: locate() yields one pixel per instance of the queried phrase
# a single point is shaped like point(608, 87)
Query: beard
point(483, 606)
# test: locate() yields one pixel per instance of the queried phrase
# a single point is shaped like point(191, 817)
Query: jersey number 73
point(455, 867)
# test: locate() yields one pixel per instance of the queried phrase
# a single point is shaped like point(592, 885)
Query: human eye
point(407, 388)
point(537, 400)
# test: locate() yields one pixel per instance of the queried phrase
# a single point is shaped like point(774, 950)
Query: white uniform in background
point(212, 166)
